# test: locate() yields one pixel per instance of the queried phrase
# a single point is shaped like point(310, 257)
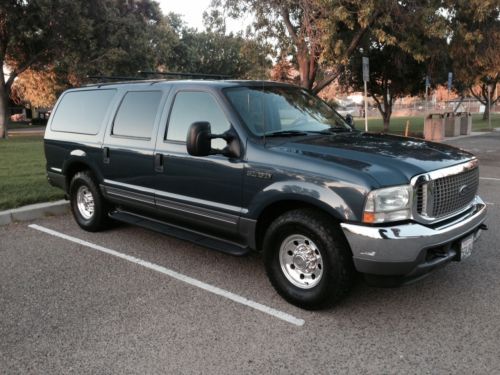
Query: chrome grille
point(445, 195)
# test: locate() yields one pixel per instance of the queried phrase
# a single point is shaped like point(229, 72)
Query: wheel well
point(274, 210)
point(73, 169)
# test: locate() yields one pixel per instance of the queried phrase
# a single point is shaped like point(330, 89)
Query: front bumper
point(412, 249)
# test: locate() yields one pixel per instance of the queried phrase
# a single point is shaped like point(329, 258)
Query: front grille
point(444, 196)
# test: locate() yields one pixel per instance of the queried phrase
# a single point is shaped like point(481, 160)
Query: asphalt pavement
point(131, 301)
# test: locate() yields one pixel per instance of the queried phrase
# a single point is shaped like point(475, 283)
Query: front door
point(203, 192)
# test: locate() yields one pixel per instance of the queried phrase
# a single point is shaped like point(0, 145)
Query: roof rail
point(186, 75)
point(116, 78)
point(113, 80)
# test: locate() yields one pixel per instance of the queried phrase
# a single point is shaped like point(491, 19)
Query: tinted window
point(137, 113)
point(190, 107)
point(284, 109)
point(82, 111)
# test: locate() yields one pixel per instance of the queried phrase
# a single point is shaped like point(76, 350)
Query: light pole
point(366, 78)
point(489, 106)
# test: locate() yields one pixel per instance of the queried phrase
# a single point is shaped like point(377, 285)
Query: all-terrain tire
point(88, 206)
point(307, 259)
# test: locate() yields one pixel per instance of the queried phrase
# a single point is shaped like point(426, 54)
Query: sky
point(192, 13)
point(191, 10)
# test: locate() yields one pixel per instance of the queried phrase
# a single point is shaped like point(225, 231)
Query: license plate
point(466, 247)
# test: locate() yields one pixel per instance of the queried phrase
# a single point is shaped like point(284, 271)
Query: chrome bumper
point(397, 250)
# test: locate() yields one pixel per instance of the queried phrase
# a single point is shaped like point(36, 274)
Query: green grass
point(22, 173)
point(398, 124)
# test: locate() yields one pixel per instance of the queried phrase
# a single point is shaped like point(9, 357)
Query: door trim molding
point(161, 194)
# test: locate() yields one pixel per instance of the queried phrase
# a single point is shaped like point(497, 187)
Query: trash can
point(434, 127)
point(465, 123)
point(451, 125)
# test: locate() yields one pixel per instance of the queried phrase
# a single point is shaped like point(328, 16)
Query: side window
point(82, 111)
point(137, 113)
point(191, 106)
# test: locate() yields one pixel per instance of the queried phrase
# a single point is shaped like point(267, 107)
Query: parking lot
point(129, 300)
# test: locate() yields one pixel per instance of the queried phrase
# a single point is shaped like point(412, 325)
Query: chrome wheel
point(300, 261)
point(85, 202)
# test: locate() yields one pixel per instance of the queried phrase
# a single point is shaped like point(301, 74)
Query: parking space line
point(489, 178)
point(178, 276)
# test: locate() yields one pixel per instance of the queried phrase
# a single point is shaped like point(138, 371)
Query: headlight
point(388, 204)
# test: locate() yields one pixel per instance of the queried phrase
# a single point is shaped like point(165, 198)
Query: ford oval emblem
point(463, 190)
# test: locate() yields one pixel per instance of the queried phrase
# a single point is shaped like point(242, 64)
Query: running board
point(180, 233)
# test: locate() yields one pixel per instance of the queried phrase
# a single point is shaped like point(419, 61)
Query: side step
point(181, 233)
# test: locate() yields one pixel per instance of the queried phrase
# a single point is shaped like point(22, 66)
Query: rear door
point(127, 153)
point(203, 192)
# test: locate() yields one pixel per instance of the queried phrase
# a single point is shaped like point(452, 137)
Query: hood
point(389, 159)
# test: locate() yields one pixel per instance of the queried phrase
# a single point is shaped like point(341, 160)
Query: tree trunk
point(4, 111)
point(387, 109)
point(387, 120)
point(304, 70)
point(486, 113)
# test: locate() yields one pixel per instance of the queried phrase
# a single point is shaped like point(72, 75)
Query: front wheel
point(307, 259)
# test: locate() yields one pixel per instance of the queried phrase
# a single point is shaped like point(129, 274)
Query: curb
point(34, 211)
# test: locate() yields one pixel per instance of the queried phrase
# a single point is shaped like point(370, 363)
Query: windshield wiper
point(335, 129)
point(285, 133)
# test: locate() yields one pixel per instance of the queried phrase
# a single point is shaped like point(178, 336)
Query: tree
point(474, 48)
point(32, 34)
point(76, 39)
point(215, 53)
point(304, 29)
point(401, 52)
point(394, 73)
point(38, 89)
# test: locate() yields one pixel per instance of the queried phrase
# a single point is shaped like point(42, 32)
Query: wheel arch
point(77, 164)
point(277, 208)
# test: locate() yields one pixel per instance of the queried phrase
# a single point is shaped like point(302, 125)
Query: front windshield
point(284, 111)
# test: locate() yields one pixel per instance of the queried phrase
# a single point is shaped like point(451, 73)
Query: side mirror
point(199, 141)
point(199, 137)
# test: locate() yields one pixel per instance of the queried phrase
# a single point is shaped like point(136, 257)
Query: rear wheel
point(307, 259)
point(88, 206)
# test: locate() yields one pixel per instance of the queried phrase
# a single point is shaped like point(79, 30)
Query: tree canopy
point(474, 48)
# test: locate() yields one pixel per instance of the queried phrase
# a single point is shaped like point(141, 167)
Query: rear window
point(82, 112)
point(137, 113)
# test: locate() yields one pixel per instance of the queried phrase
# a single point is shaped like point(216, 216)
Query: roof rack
point(110, 80)
point(116, 78)
point(186, 75)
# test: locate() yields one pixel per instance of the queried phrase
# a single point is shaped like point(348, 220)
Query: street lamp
point(490, 87)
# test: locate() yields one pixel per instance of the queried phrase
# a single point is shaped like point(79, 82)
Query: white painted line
point(188, 280)
point(489, 203)
point(489, 178)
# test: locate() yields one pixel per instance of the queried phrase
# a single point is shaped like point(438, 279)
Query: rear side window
point(137, 113)
point(82, 112)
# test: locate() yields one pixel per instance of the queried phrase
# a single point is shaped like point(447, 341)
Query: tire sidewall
point(95, 222)
point(333, 261)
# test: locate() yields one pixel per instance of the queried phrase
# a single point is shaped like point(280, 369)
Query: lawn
point(22, 173)
point(417, 123)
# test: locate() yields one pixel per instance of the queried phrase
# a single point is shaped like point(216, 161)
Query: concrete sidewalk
point(32, 130)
